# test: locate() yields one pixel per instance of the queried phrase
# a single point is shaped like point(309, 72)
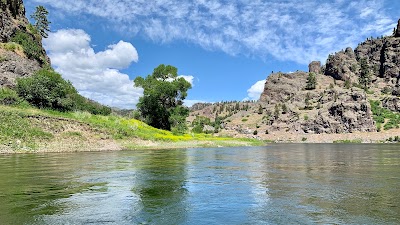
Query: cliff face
point(12, 18)
point(14, 62)
point(330, 108)
point(337, 104)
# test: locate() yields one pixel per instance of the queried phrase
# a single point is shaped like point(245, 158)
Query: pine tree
point(41, 22)
point(365, 74)
point(311, 81)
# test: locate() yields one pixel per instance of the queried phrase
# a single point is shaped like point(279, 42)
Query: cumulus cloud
point(254, 92)
point(95, 75)
point(286, 30)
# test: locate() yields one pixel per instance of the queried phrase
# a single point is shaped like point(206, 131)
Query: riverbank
point(30, 130)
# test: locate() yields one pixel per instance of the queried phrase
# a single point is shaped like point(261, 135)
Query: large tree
point(162, 103)
point(41, 22)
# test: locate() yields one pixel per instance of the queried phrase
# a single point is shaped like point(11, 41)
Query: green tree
point(162, 103)
point(311, 81)
point(41, 22)
point(365, 74)
point(47, 89)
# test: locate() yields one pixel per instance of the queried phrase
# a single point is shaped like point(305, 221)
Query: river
point(276, 184)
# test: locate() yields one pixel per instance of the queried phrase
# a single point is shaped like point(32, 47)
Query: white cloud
point(95, 75)
point(254, 92)
point(188, 78)
point(287, 30)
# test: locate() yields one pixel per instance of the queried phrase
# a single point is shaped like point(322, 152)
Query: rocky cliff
point(339, 103)
point(15, 60)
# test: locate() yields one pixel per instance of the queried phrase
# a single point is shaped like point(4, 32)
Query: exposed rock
point(343, 66)
point(397, 33)
point(349, 112)
point(199, 106)
point(391, 103)
point(13, 66)
point(314, 67)
point(12, 18)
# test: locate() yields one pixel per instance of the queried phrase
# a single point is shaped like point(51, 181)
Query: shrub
point(255, 132)
point(47, 89)
point(305, 117)
point(31, 47)
point(244, 120)
point(9, 97)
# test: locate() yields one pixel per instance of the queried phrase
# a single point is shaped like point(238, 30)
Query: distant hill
point(345, 87)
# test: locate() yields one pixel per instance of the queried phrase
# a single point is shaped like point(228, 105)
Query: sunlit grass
point(15, 123)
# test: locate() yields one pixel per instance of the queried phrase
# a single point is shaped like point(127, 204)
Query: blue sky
point(226, 49)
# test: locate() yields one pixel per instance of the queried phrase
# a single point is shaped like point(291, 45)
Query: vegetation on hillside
point(47, 89)
point(19, 132)
point(384, 116)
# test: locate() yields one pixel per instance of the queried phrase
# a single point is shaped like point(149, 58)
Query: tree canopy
point(41, 22)
point(161, 105)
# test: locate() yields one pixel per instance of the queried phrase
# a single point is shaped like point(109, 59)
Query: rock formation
point(397, 31)
point(314, 67)
point(14, 62)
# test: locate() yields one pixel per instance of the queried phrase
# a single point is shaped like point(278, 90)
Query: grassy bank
point(26, 129)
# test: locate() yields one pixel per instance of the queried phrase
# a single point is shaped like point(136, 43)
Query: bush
point(9, 97)
point(32, 49)
point(47, 89)
point(255, 132)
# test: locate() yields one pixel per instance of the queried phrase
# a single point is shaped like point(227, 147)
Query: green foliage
point(47, 89)
point(41, 22)
point(14, 127)
point(311, 81)
point(163, 93)
point(306, 117)
point(255, 132)
point(384, 116)
point(11, 46)
point(9, 97)
point(307, 102)
point(347, 84)
point(260, 109)
point(244, 120)
point(284, 109)
point(276, 111)
point(303, 139)
point(365, 74)
point(31, 47)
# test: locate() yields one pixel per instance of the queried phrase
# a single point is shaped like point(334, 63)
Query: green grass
point(384, 117)
point(16, 131)
point(15, 124)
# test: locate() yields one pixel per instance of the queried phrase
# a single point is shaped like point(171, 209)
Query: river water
point(276, 184)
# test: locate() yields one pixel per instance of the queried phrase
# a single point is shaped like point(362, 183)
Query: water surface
point(277, 184)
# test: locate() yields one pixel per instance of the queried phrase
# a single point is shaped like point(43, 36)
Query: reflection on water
point(278, 184)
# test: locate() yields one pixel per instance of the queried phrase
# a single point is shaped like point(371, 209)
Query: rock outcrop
point(397, 31)
point(314, 67)
point(12, 18)
point(13, 66)
point(14, 63)
point(343, 66)
point(329, 108)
